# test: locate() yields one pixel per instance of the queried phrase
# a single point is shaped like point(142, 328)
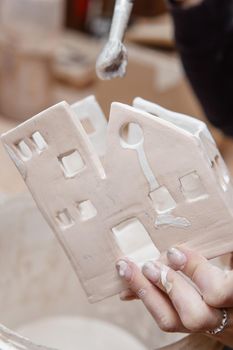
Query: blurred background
point(48, 50)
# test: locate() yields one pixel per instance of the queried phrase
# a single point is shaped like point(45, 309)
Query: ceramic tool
point(112, 61)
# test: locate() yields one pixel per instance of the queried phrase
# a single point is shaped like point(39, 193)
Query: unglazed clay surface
point(157, 181)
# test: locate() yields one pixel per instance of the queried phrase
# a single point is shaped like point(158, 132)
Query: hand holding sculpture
point(198, 300)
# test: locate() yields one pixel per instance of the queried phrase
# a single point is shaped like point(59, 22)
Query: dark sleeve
point(204, 39)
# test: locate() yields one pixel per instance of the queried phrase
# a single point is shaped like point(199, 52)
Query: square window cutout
point(86, 210)
point(162, 200)
point(64, 219)
point(134, 241)
point(71, 163)
point(39, 141)
point(192, 187)
point(24, 150)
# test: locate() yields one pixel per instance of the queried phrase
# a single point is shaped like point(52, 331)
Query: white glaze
point(189, 124)
point(171, 220)
point(135, 242)
point(165, 283)
point(145, 166)
point(112, 61)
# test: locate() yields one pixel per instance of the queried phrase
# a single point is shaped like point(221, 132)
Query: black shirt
point(204, 39)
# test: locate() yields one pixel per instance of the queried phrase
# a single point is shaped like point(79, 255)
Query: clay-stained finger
point(215, 285)
point(127, 295)
point(157, 303)
point(194, 313)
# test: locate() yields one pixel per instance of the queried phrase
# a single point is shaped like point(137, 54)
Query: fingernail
point(151, 272)
point(167, 285)
point(176, 257)
point(124, 270)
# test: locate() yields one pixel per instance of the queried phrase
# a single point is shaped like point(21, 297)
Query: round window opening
point(131, 135)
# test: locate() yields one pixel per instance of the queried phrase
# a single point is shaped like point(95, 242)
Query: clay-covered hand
point(190, 295)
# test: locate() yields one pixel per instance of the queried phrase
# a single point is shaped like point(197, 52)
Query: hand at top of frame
point(176, 304)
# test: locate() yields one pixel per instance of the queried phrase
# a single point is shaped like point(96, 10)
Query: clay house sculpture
point(148, 180)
